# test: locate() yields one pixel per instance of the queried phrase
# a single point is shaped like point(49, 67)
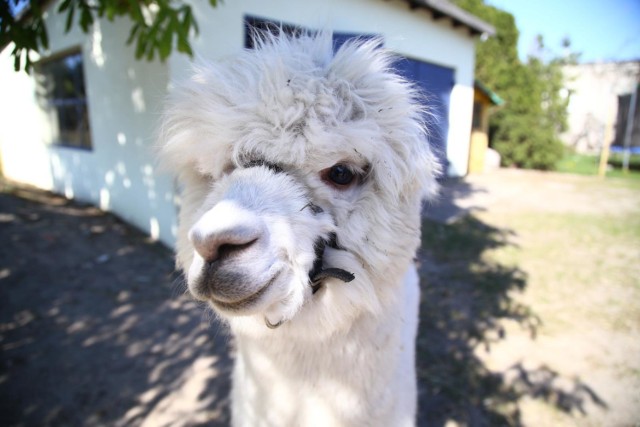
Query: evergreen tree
point(525, 130)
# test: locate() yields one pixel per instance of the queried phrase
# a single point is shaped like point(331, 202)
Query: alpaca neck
point(345, 379)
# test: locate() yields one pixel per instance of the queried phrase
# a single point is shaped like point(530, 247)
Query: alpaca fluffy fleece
point(278, 149)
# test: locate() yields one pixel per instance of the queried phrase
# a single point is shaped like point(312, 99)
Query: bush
point(524, 144)
point(524, 131)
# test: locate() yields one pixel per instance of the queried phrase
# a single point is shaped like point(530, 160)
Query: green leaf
point(110, 11)
point(132, 35)
point(151, 52)
point(86, 19)
point(184, 46)
point(135, 13)
point(30, 41)
point(141, 45)
point(17, 59)
point(65, 5)
point(188, 22)
point(152, 36)
point(69, 23)
point(42, 35)
point(166, 41)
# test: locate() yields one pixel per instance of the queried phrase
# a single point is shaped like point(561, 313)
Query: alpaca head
point(302, 175)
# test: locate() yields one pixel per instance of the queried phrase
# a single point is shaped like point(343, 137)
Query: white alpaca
point(303, 173)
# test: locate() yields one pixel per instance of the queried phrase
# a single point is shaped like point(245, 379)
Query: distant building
point(83, 124)
point(598, 92)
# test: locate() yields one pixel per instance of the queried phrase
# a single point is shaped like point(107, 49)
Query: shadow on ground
point(95, 332)
point(94, 329)
point(466, 298)
point(447, 208)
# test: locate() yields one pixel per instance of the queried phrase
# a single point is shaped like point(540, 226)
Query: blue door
point(340, 38)
point(436, 83)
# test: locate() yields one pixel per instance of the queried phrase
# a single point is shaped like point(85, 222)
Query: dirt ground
point(536, 295)
point(96, 330)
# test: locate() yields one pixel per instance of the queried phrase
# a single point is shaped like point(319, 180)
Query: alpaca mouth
point(245, 302)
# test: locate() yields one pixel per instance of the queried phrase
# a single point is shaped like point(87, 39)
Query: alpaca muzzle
point(319, 273)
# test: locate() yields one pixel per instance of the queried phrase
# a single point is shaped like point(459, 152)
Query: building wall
point(124, 98)
point(594, 89)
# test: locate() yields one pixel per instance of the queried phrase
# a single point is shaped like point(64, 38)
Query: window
point(477, 116)
point(252, 24)
point(62, 95)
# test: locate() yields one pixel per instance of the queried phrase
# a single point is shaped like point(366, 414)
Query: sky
point(602, 30)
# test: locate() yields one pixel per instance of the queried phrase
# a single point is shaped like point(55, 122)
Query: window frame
point(53, 106)
point(477, 118)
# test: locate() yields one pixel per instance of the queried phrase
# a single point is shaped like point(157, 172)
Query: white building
point(594, 89)
point(106, 157)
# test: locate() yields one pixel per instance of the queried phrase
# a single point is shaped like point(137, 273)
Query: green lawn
point(588, 165)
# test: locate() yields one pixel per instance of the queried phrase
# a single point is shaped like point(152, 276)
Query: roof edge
point(459, 17)
point(494, 97)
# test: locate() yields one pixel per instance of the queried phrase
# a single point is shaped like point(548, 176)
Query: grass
point(554, 279)
point(583, 164)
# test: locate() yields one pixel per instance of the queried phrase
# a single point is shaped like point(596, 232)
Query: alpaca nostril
point(217, 246)
point(229, 249)
point(224, 231)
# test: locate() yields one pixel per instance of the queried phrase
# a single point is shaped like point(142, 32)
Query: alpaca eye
point(340, 175)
